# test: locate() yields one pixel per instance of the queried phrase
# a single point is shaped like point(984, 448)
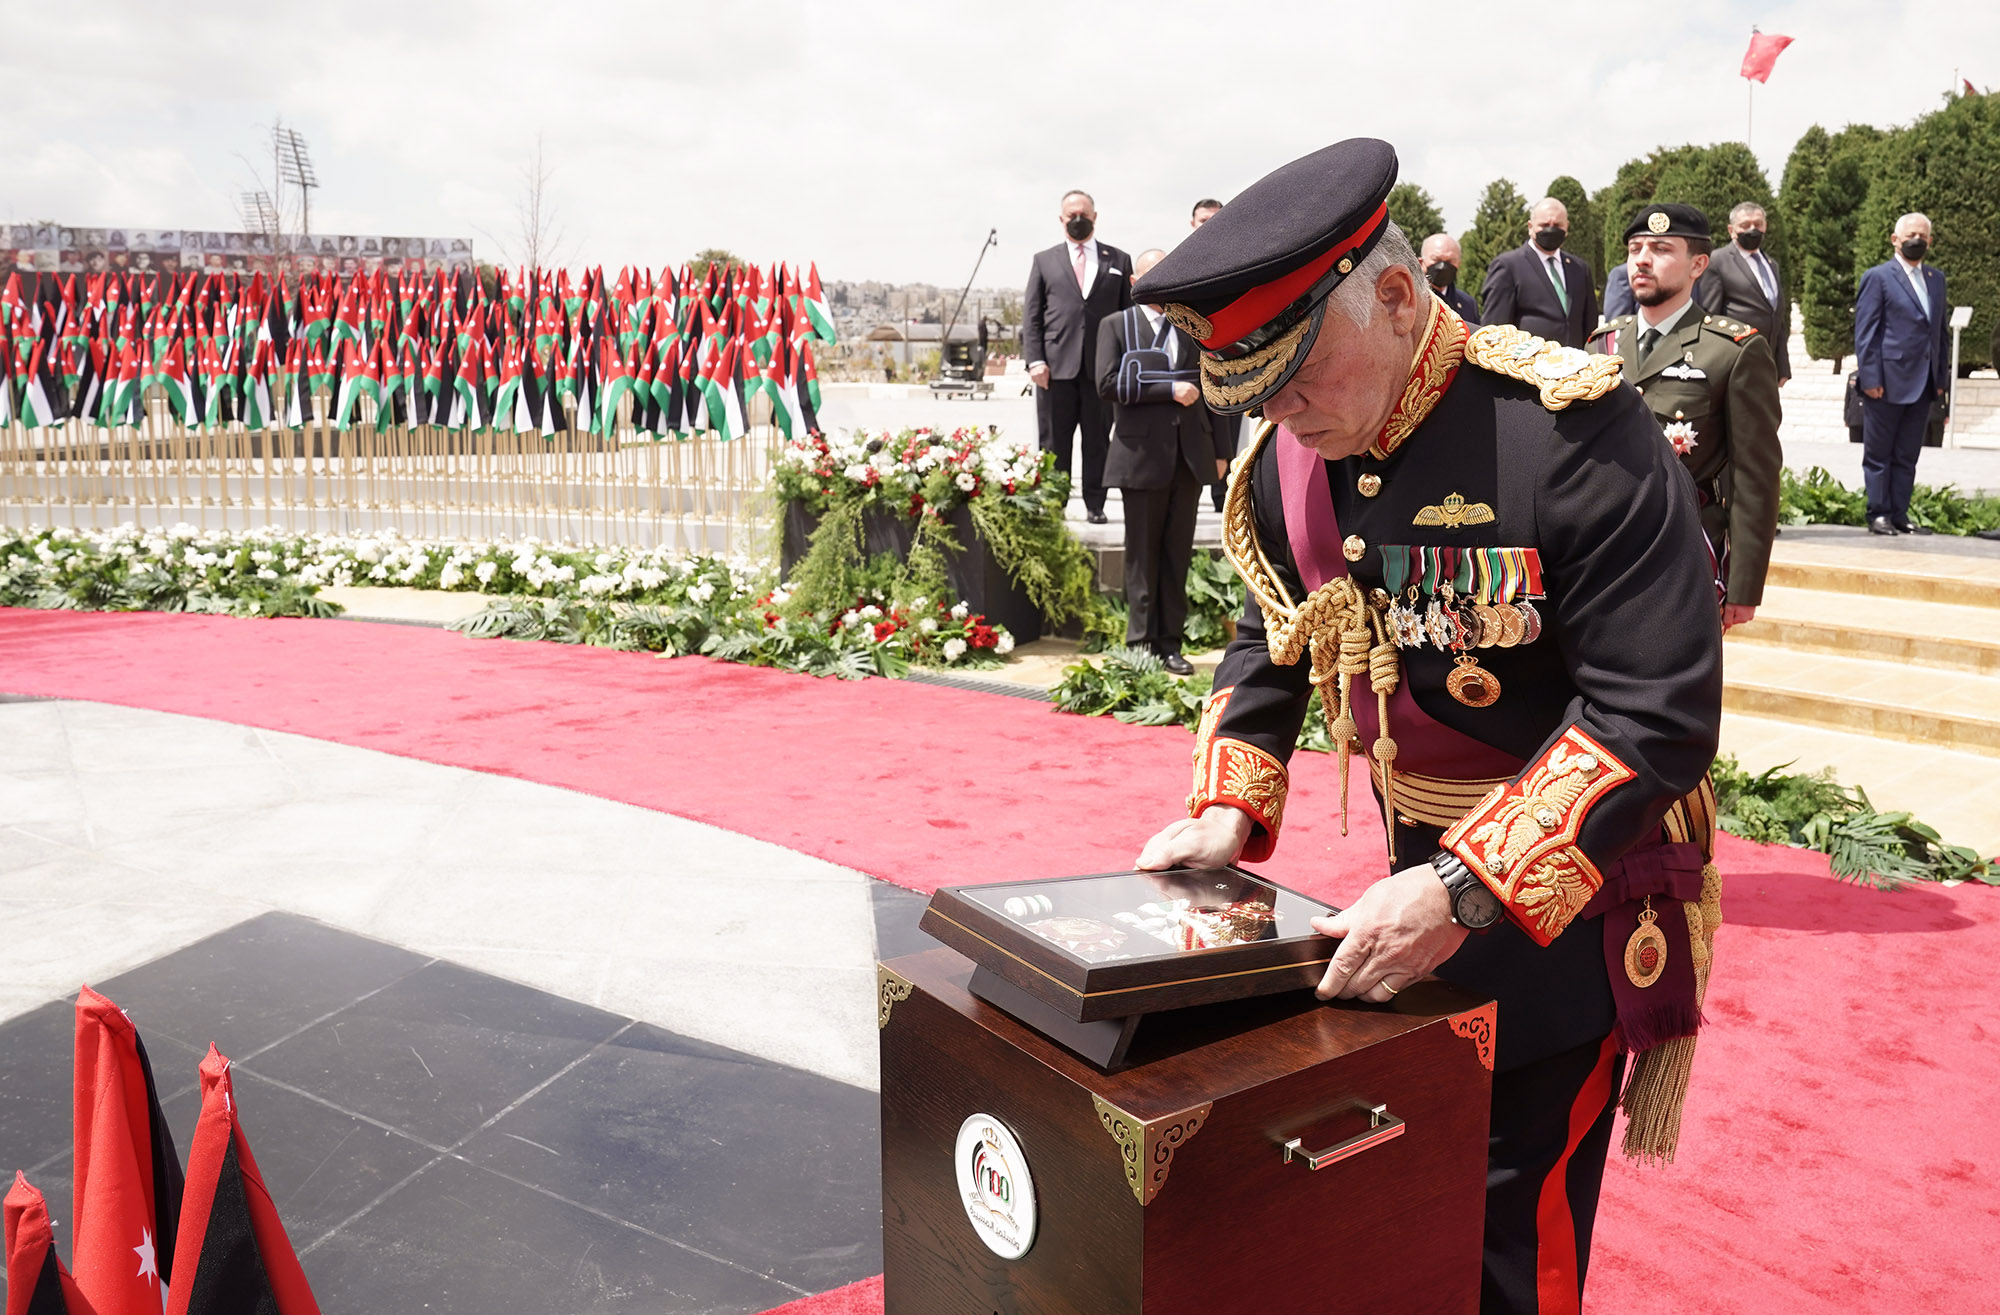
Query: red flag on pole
point(1763, 53)
point(37, 1283)
point(128, 1172)
point(233, 1252)
point(1970, 90)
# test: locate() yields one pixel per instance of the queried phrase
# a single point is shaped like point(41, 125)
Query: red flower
point(885, 629)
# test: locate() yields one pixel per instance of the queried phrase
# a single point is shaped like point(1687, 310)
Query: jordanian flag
point(37, 1283)
point(359, 378)
point(508, 399)
point(722, 400)
point(256, 409)
point(128, 1171)
point(617, 383)
point(816, 307)
point(38, 408)
point(232, 1253)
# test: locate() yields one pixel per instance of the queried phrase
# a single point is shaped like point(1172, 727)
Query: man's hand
point(1397, 932)
point(1735, 614)
point(1186, 394)
point(1782, 382)
point(1872, 392)
point(1038, 374)
point(1212, 840)
point(1221, 468)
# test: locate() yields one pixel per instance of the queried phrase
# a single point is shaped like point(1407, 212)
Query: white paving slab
point(127, 834)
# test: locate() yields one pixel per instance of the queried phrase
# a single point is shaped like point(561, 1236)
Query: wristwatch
point(1473, 905)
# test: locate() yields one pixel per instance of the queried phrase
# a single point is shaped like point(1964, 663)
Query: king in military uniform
point(1712, 383)
point(1479, 551)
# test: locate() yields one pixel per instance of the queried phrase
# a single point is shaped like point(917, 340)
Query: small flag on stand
point(128, 1171)
point(37, 1283)
point(1763, 53)
point(234, 1254)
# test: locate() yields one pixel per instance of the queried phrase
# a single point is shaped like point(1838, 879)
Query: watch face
point(1476, 906)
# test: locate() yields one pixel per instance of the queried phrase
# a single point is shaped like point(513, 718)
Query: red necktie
point(1079, 267)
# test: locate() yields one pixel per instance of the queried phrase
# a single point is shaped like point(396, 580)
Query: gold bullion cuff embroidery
point(1242, 775)
point(1521, 838)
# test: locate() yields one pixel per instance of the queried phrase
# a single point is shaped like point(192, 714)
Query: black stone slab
point(37, 1056)
point(461, 1241)
point(775, 1168)
point(896, 914)
point(439, 1052)
point(321, 1165)
point(246, 987)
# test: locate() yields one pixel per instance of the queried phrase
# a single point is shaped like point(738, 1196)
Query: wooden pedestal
point(1167, 1188)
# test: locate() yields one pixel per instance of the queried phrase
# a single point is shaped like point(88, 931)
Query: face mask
point(1549, 239)
point(1078, 227)
point(1750, 239)
point(1442, 274)
point(1914, 248)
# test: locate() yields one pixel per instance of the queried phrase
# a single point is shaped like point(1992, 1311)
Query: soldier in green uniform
point(1475, 546)
point(1713, 385)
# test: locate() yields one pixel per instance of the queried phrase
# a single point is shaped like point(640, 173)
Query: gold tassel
point(1657, 1089)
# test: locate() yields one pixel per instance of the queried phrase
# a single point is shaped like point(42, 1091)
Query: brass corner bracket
point(1477, 1025)
point(1148, 1148)
point(891, 987)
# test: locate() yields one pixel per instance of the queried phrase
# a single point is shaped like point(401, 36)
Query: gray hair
point(1743, 210)
point(1355, 295)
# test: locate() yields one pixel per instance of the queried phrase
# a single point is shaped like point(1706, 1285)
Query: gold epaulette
point(1731, 329)
point(1622, 322)
point(1561, 374)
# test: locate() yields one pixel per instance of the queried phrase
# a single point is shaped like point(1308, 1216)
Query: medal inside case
point(1084, 959)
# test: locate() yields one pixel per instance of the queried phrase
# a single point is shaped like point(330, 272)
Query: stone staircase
point(1883, 663)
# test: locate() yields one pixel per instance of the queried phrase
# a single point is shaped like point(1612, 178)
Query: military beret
point(1668, 220)
point(1251, 285)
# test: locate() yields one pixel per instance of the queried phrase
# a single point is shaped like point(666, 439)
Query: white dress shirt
point(1089, 249)
point(1915, 270)
point(1665, 326)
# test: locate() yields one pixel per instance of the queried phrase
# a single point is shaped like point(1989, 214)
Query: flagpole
point(1749, 108)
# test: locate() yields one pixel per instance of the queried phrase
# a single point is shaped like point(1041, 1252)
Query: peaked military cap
point(1251, 285)
point(1669, 220)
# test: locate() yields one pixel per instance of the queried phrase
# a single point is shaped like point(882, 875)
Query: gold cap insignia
point(1454, 512)
point(1657, 222)
point(1184, 318)
point(1346, 265)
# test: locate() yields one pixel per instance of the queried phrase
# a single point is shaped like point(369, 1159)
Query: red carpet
point(1842, 1152)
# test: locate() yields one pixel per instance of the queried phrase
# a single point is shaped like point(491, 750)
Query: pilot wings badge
point(1454, 513)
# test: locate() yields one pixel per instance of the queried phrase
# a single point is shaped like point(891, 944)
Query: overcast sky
point(883, 140)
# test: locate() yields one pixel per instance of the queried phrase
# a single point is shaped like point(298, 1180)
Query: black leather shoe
point(1904, 527)
point(1880, 525)
point(1177, 664)
point(1097, 518)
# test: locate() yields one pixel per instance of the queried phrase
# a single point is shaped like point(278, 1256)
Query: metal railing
point(699, 494)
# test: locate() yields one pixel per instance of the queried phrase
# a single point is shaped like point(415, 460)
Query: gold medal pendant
point(1646, 952)
point(1472, 684)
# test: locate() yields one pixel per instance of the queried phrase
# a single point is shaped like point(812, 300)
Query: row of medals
point(1454, 623)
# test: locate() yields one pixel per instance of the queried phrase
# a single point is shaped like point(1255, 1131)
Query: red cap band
point(1257, 307)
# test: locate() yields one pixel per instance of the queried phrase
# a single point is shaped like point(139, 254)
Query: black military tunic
point(1630, 651)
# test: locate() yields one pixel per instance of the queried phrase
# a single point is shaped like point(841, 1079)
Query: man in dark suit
point(1742, 284)
point(1539, 286)
point(1899, 345)
point(1072, 286)
point(1226, 430)
point(1618, 298)
point(1162, 452)
point(1441, 258)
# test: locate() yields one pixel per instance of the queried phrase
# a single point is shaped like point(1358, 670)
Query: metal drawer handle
point(1382, 1126)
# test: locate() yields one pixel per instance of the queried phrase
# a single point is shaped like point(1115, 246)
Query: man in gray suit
point(1742, 284)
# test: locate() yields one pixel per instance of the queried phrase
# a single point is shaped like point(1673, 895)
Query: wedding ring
point(1390, 989)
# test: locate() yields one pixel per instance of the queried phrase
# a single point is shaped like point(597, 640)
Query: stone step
point(1950, 636)
point(1945, 789)
point(1957, 710)
point(1905, 577)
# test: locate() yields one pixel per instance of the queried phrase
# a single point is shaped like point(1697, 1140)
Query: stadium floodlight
point(258, 211)
point(295, 167)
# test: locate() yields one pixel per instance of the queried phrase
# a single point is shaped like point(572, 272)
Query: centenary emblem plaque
point(995, 1187)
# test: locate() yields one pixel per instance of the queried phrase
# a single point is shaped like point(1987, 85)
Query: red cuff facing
point(1241, 775)
point(1521, 839)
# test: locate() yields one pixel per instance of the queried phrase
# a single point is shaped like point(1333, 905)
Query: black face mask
point(1915, 248)
point(1442, 274)
point(1750, 239)
point(1550, 239)
point(1078, 227)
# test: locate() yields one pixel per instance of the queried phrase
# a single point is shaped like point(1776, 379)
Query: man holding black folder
point(1162, 453)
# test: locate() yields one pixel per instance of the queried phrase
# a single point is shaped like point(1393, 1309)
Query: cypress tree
point(1826, 181)
point(1500, 222)
point(1415, 211)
